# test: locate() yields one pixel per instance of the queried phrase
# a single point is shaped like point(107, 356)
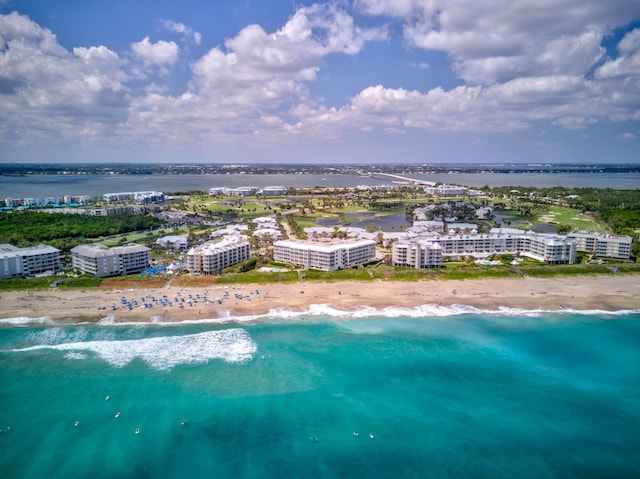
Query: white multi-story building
point(603, 246)
point(273, 191)
point(102, 261)
point(325, 256)
point(418, 252)
point(213, 256)
point(446, 190)
point(137, 196)
point(31, 261)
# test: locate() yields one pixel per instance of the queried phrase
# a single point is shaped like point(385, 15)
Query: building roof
point(101, 251)
point(324, 247)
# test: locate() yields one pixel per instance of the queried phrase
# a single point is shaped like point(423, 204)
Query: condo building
point(31, 261)
point(102, 261)
point(424, 251)
point(324, 256)
point(213, 256)
point(140, 197)
point(603, 246)
point(417, 253)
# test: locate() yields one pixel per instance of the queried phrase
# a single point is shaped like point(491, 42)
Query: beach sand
point(609, 293)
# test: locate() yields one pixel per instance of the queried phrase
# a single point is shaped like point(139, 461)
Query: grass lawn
point(566, 216)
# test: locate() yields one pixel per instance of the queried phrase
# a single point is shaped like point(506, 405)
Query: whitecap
point(163, 353)
point(26, 321)
point(75, 355)
point(425, 310)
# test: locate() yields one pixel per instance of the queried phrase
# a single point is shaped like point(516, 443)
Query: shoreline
point(582, 293)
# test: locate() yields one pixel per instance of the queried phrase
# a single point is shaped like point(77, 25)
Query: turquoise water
point(465, 395)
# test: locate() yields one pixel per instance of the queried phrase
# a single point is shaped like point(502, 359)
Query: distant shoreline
point(581, 293)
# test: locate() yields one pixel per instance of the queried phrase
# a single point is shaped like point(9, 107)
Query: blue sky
point(281, 81)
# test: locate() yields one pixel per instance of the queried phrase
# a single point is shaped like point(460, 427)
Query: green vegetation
point(23, 284)
point(602, 210)
point(65, 231)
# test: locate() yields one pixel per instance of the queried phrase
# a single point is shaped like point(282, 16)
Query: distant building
point(177, 242)
point(603, 246)
point(325, 256)
point(102, 261)
point(267, 229)
point(240, 191)
point(213, 256)
point(446, 190)
point(140, 197)
point(31, 261)
point(272, 191)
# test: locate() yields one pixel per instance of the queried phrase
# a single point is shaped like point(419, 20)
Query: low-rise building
point(102, 261)
point(213, 256)
point(141, 197)
point(329, 256)
point(175, 241)
point(272, 191)
point(31, 261)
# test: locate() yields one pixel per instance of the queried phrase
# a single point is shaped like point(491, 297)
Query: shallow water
point(458, 393)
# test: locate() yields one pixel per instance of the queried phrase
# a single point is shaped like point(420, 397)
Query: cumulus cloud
point(628, 61)
point(47, 90)
point(162, 55)
point(519, 63)
point(237, 88)
point(501, 40)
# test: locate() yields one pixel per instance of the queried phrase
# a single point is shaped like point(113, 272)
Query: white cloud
point(627, 136)
point(162, 55)
point(628, 62)
point(569, 101)
point(49, 92)
point(523, 64)
point(502, 39)
point(181, 28)
point(237, 89)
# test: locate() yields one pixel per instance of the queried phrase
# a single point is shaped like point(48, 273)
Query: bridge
point(404, 179)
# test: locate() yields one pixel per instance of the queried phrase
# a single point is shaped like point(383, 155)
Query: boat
point(313, 439)
point(355, 433)
point(371, 436)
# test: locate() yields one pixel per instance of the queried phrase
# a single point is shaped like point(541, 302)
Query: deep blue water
point(468, 395)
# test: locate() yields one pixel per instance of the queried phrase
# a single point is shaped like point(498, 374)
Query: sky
point(337, 82)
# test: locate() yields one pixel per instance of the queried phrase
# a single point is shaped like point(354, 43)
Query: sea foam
point(26, 321)
point(163, 353)
point(428, 310)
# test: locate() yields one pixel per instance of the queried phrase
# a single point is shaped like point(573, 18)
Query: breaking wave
point(429, 310)
point(324, 310)
point(161, 353)
point(26, 321)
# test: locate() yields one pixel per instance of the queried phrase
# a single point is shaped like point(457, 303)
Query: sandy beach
point(609, 293)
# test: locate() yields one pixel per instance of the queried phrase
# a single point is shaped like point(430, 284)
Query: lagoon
point(40, 186)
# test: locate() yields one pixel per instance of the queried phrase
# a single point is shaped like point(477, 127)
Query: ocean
point(439, 393)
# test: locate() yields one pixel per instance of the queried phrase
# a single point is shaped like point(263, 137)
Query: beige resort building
point(330, 256)
point(99, 260)
point(213, 256)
